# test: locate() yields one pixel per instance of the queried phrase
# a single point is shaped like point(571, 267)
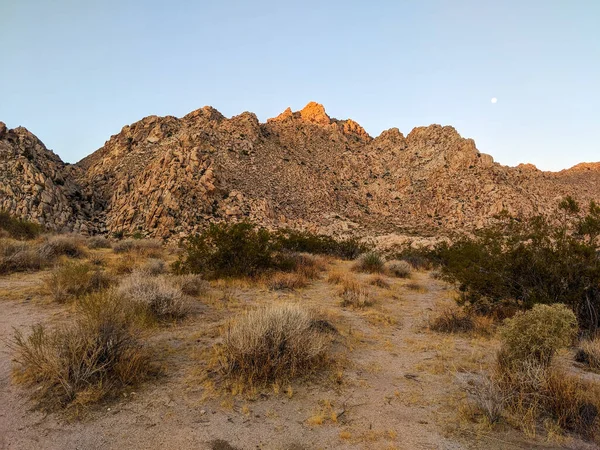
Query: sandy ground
point(399, 388)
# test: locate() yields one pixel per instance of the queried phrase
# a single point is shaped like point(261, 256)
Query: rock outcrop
point(168, 177)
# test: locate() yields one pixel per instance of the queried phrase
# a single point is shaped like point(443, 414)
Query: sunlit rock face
point(168, 177)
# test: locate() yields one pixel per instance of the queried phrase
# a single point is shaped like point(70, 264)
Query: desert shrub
point(96, 242)
point(190, 284)
point(155, 296)
point(336, 277)
point(370, 262)
point(18, 256)
point(93, 359)
point(399, 268)
point(275, 343)
point(309, 266)
point(75, 279)
point(417, 258)
point(17, 228)
point(229, 250)
point(306, 242)
point(286, 281)
point(154, 266)
point(588, 353)
point(538, 260)
point(62, 245)
point(453, 320)
point(146, 247)
point(379, 281)
point(353, 294)
point(536, 334)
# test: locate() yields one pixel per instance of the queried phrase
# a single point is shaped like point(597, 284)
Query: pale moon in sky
point(494, 100)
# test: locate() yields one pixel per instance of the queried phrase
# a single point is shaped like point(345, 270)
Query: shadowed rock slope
point(167, 177)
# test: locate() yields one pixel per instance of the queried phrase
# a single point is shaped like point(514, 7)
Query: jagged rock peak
point(315, 112)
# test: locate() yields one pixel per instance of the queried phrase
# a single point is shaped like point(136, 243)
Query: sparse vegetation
point(75, 279)
point(96, 242)
point(353, 294)
point(275, 343)
point(588, 353)
point(370, 262)
point(399, 268)
point(145, 247)
point(290, 281)
point(379, 281)
point(17, 228)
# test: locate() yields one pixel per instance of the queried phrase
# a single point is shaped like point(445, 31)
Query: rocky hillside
point(167, 177)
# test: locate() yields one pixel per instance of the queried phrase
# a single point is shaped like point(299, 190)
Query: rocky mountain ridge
point(168, 176)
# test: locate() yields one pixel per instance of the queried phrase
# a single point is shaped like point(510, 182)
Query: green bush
point(536, 335)
point(229, 250)
point(17, 228)
point(526, 262)
point(306, 242)
point(370, 262)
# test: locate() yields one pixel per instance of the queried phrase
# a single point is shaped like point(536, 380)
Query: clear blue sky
point(74, 72)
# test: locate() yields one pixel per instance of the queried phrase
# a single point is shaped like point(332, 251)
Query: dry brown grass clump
point(75, 279)
point(274, 343)
point(70, 245)
point(155, 296)
point(354, 294)
point(308, 266)
point(96, 242)
point(190, 284)
point(154, 266)
point(460, 320)
point(588, 353)
point(146, 247)
point(379, 281)
point(336, 277)
point(370, 262)
point(399, 268)
point(93, 359)
point(19, 256)
point(286, 281)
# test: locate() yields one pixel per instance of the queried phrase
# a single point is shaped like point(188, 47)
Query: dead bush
point(460, 320)
point(190, 284)
point(274, 343)
point(96, 242)
point(399, 268)
point(93, 359)
point(379, 281)
point(286, 281)
point(146, 247)
point(353, 294)
point(155, 296)
point(18, 256)
point(70, 245)
point(154, 266)
point(588, 353)
point(75, 279)
point(370, 262)
point(308, 266)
